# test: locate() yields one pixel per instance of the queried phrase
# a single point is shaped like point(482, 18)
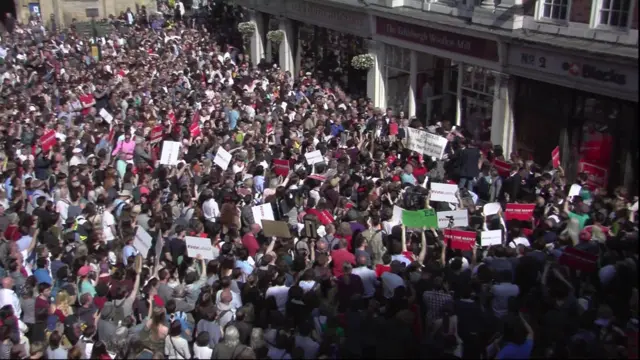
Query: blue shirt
point(408, 178)
point(127, 251)
point(8, 188)
point(514, 351)
point(234, 115)
point(42, 276)
point(258, 184)
point(336, 129)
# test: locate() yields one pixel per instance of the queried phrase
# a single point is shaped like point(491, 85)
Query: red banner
point(597, 176)
point(269, 129)
point(48, 140)
point(460, 239)
point(156, 134)
point(194, 129)
point(578, 260)
point(503, 167)
point(555, 156)
point(281, 167)
point(519, 211)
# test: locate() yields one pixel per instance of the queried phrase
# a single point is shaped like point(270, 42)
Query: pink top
point(126, 148)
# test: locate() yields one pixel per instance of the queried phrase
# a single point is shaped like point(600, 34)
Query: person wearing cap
point(85, 285)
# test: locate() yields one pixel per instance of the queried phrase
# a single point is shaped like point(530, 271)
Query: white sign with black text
point(199, 246)
point(491, 237)
point(223, 158)
point(170, 152)
point(262, 212)
point(444, 192)
point(426, 143)
point(314, 157)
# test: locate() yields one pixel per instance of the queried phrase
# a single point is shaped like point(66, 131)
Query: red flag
point(460, 239)
point(555, 156)
point(48, 140)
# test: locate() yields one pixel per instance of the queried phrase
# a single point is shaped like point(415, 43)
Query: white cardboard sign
point(170, 152)
point(106, 116)
point(396, 219)
point(491, 208)
point(575, 190)
point(314, 157)
point(262, 212)
point(491, 237)
point(444, 192)
point(142, 242)
point(223, 158)
point(199, 246)
point(460, 218)
point(426, 143)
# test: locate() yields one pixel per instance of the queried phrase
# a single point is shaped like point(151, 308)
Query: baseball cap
point(84, 270)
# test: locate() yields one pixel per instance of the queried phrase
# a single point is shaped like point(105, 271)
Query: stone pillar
point(413, 84)
point(257, 45)
point(376, 81)
point(459, 94)
point(286, 46)
point(502, 124)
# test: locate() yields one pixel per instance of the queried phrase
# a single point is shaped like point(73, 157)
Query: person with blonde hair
point(63, 305)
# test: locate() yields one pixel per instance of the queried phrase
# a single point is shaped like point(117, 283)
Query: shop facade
point(435, 74)
point(585, 105)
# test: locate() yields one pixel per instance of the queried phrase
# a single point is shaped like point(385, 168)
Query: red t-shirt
point(99, 301)
point(381, 269)
point(339, 257)
point(12, 233)
point(86, 99)
point(249, 241)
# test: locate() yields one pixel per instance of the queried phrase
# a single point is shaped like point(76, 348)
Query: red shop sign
point(462, 44)
point(597, 176)
point(460, 239)
point(519, 211)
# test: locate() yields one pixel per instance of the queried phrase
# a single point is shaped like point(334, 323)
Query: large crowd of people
point(97, 217)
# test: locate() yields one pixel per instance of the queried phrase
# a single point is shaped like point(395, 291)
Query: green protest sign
point(420, 218)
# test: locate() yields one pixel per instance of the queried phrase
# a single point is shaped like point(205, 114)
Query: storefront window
point(396, 71)
point(477, 100)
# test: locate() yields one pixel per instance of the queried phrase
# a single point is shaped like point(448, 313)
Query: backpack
point(185, 215)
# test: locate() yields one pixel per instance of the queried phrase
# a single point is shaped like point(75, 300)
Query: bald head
point(7, 283)
point(255, 228)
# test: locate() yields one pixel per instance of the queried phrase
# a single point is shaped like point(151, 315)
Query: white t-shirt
point(281, 294)
point(108, 220)
point(202, 352)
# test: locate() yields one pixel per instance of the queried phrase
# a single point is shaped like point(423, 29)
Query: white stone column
point(286, 46)
point(502, 124)
point(257, 44)
point(413, 83)
point(459, 94)
point(298, 58)
point(376, 81)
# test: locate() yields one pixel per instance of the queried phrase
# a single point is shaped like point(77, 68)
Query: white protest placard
point(262, 212)
point(444, 192)
point(106, 116)
point(223, 158)
point(142, 242)
point(519, 241)
point(170, 152)
point(396, 219)
point(199, 246)
point(426, 143)
point(491, 209)
point(491, 237)
point(314, 157)
point(575, 190)
point(460, 218)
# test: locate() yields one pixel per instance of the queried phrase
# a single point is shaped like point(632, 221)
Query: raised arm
point(423, 246)
point(404, 238)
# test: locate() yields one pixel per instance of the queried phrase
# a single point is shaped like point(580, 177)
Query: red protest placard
point(555, 156)
point(269, 129)
point(48, 140)
point(281, 167)
point(502, 167)
point(460, 239)
point(597, 176)
point(317, 177)
point(519, 211)
point(393, 129)
point(194, 129)
point(156, 134)
point(578, 260)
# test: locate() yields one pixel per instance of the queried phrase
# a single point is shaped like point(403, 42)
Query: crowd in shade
point(166, 198)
